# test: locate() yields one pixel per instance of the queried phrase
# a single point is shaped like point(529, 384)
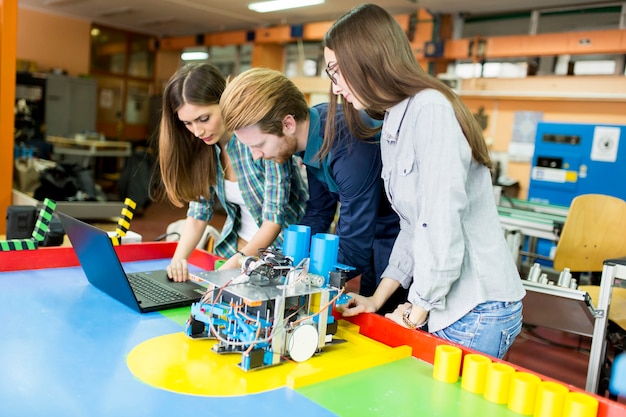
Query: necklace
point(224, 170)
point(226, 163)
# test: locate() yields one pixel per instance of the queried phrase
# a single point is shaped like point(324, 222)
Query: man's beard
point(286, 152)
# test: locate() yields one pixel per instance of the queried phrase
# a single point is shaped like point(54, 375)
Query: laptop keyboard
point(152, 290)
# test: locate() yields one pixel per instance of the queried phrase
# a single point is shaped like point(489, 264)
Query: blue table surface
point(63, 352)
point(64, 344)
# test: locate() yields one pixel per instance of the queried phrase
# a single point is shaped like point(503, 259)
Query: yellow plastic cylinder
point(474, 372)
point(447, 364)
point(578, 404)
point(550, 399)
point(498, 382)
point(523, 393)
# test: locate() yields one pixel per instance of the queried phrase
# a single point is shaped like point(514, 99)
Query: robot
point(269, 311)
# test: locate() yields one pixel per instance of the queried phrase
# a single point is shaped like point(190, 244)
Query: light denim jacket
point(451, 250)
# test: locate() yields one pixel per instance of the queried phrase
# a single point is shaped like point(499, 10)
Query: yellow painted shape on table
point(175, 362)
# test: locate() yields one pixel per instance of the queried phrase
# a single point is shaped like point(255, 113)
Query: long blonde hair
point(375, 58)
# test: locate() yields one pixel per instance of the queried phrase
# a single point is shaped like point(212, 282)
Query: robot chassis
point(269, 312)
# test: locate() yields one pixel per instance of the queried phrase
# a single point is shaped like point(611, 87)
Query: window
point(491, 69)
point(549, 21)
point(231, 59)
point(498, 25)
point(108, 50)
point(579, 20)
point(588, 64)
point(303, 59)
point(123, 64)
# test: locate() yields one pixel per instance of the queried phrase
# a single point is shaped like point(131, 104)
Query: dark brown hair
point(188, 166)
point(375, 59)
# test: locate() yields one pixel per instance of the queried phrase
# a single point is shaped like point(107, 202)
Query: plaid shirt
point(272, 192)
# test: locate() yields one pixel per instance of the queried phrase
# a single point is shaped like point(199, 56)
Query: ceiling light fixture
point(195, 54)
point(275, 5)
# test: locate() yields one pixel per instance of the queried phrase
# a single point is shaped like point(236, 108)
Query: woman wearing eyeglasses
point(450, 252)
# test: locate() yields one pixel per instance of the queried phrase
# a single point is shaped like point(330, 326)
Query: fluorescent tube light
point(194, 55)
point(272, 6)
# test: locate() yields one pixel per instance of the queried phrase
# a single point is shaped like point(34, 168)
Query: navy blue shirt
point(349, 175)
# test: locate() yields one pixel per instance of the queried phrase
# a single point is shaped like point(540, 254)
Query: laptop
point(141, 291)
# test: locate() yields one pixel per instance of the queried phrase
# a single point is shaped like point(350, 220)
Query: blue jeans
point(489, 327)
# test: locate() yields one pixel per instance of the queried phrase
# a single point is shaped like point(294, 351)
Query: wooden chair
point(594, 231)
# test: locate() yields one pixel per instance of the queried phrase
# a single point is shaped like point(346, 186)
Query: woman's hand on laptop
point(177, 270)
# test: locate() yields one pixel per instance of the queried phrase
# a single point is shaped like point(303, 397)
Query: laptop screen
point(97, 256)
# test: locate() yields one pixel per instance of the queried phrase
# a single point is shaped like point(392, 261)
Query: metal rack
point(572, 310)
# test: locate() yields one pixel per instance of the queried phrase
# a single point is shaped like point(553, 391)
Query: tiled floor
point(154, 220)
point(552, 353)
point(559, 355)
point(556, 354)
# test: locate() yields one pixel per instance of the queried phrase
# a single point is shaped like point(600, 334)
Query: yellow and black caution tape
point(123, 223)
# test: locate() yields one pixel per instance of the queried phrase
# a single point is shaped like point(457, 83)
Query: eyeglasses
point(332, 69)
